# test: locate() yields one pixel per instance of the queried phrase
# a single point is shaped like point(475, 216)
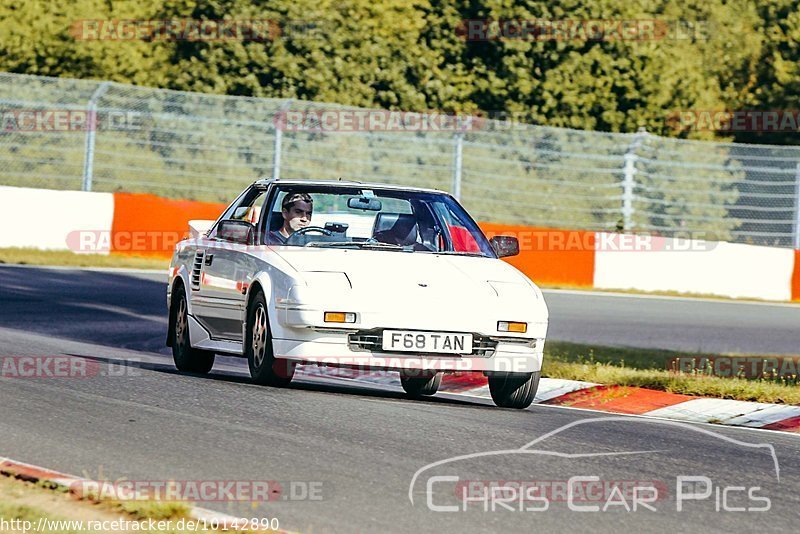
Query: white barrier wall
point(708, 267)
point(43, 218)
point(63, 220)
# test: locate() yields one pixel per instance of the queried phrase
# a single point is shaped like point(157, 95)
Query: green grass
point(27, 501)
point(30, 256)
point(142, 509)
point(23, 512)
point(649, 369)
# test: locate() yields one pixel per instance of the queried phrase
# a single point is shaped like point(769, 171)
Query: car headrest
point(396, 228)
point(252, 215)
point(276, 221)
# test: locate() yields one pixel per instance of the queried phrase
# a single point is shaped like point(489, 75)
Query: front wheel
point(186, 358)
point(421, 385)
point(514, 390)
point(265, 369)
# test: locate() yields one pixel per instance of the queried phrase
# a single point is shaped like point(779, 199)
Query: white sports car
point(356, 275)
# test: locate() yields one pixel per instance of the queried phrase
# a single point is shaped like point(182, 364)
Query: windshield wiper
point(460, 253)
point(358, 244)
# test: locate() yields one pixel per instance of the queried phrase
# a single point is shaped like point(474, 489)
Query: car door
point(226, 270)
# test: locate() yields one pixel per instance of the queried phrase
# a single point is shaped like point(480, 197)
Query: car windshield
point(372, 219)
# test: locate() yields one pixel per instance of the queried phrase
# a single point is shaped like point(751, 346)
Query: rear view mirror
point(364, 203)
point(241, 232)
point(505, 245)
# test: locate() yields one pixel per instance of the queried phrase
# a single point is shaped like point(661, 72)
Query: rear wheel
point(186, 358)
point(419, 385)
point(265, 369)
point(514, 390)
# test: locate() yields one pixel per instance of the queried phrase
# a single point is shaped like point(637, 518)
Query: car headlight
point(329, 281)
point(512, 289)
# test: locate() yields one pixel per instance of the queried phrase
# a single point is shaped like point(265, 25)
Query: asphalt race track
point(364, 451)
point(673, 323)
point(698, 325)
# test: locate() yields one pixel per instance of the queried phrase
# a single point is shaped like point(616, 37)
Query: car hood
point(421, 291)
point(392, 271)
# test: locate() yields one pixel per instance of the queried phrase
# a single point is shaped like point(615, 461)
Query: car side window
point(460, 237)
point(248, 208)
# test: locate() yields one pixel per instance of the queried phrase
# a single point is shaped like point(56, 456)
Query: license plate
point(438, 342)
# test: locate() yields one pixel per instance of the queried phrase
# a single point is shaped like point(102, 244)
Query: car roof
point(347, 183)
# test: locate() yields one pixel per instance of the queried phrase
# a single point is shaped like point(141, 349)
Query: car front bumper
point(335, 349)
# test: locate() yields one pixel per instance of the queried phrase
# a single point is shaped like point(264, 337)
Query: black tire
point(420, 384)
point(514, 390)
point(186, 358)
point(265, 369)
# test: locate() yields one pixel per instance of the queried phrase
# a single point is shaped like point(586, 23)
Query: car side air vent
point(198, 264)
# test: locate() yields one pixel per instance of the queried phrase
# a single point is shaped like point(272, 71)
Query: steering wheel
point(303, 231)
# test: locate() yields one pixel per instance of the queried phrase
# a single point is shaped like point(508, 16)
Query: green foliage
point(39, 37)
point(408, 54)
point(774, 80)
point(413, 55)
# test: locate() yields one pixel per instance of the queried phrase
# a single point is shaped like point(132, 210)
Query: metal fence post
point(276, 156)
point(458, 152)
point(629, 171)
point(797, 207)
point(91, 133)
point(628, 182)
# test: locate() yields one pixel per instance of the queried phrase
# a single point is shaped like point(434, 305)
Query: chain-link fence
point(208, 147)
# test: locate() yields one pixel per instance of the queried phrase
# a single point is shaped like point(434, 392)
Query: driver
point(296, 209)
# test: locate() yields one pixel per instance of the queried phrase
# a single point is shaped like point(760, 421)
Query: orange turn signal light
point(511, 326)
point(340, 317)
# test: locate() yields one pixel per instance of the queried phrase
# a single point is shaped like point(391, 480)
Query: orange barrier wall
point(796, 276)
point(549, 256)
point(147, 225)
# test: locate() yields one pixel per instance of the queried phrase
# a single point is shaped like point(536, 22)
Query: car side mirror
point(240, 232)
point(505, 245)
